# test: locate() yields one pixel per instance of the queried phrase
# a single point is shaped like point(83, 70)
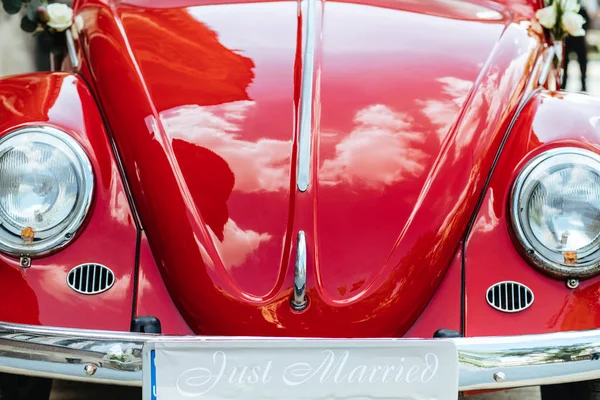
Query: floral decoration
point(562, 18)
point(59, 16)
point(41, 16)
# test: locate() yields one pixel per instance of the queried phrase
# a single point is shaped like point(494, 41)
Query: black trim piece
point(515, 117)
point(116, 155)
point(146, 324)
point(446, 333)
point(136, 272)
point(130, 200)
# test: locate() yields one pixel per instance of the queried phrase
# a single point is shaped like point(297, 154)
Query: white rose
point(60, 15)
point(547, 16)
point(572, 23)
point(571, 6)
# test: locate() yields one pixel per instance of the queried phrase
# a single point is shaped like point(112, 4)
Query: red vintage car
point(297, 200)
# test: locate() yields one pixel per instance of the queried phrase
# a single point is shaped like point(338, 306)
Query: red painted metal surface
point(430, 6)
point(444, 309)
point(40, 294)
point(153, 298)
point(205, 128)
point(550, 120)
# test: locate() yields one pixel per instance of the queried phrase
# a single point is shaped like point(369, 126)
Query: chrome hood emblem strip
point(306, 97)
point(299, 301)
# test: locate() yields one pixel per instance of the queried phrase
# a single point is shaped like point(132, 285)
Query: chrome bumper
point(116, 357)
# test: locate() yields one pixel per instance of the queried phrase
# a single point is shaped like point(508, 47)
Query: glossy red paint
point(548, 121)
point(444, 309)
point(39, 295)
point(205, 131)
point(525, 6)
point(152, 295)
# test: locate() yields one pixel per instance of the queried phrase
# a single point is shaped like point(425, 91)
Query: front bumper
point(116, 357)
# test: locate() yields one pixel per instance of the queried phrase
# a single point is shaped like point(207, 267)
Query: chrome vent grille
point(509, 296)
point(90, 278)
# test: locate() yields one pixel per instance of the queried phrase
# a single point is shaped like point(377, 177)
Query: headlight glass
point(556, 212)
point(564, 210)
point(45, 190)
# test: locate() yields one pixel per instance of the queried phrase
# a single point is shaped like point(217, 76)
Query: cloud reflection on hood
point(238, 244)
point(442, 111)
point(258, 166)
point(381, 150)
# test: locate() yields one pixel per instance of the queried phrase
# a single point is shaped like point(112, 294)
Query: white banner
point(302, 369)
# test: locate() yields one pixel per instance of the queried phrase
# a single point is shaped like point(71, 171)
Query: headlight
point(556, 212)
point(46, 188)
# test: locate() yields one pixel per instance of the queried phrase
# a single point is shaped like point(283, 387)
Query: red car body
point(424, 114)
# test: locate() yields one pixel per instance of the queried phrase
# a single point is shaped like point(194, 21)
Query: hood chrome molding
point(306, 98)
point(71, 49)
point(299, 301)
point(546, 66)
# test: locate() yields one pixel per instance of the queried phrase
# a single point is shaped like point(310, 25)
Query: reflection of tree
point(29, 95)
point(208, 72)
point(258, 165)
point(548, 353)
point(211, 181)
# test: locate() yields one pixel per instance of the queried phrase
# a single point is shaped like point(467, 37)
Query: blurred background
point(583, 54)
point(21, 52)
point(593, 68)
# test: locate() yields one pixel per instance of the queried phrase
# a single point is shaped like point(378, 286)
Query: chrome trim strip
point(545, 70)
point(523, 360)
point(299, 301)
point(482, 195)
point(306, 98)
point(64, 353)
point(71, 49)
point(528, 360)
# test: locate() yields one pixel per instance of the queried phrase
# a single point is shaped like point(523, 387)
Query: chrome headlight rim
point(66, 230)
point(545, 259)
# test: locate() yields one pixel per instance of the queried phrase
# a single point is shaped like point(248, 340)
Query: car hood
point(397, 155)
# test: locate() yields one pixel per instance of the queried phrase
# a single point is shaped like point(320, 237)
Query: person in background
point(578, 45)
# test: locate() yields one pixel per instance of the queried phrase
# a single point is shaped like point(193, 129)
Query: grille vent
point(509, 296)
point(90, 278)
